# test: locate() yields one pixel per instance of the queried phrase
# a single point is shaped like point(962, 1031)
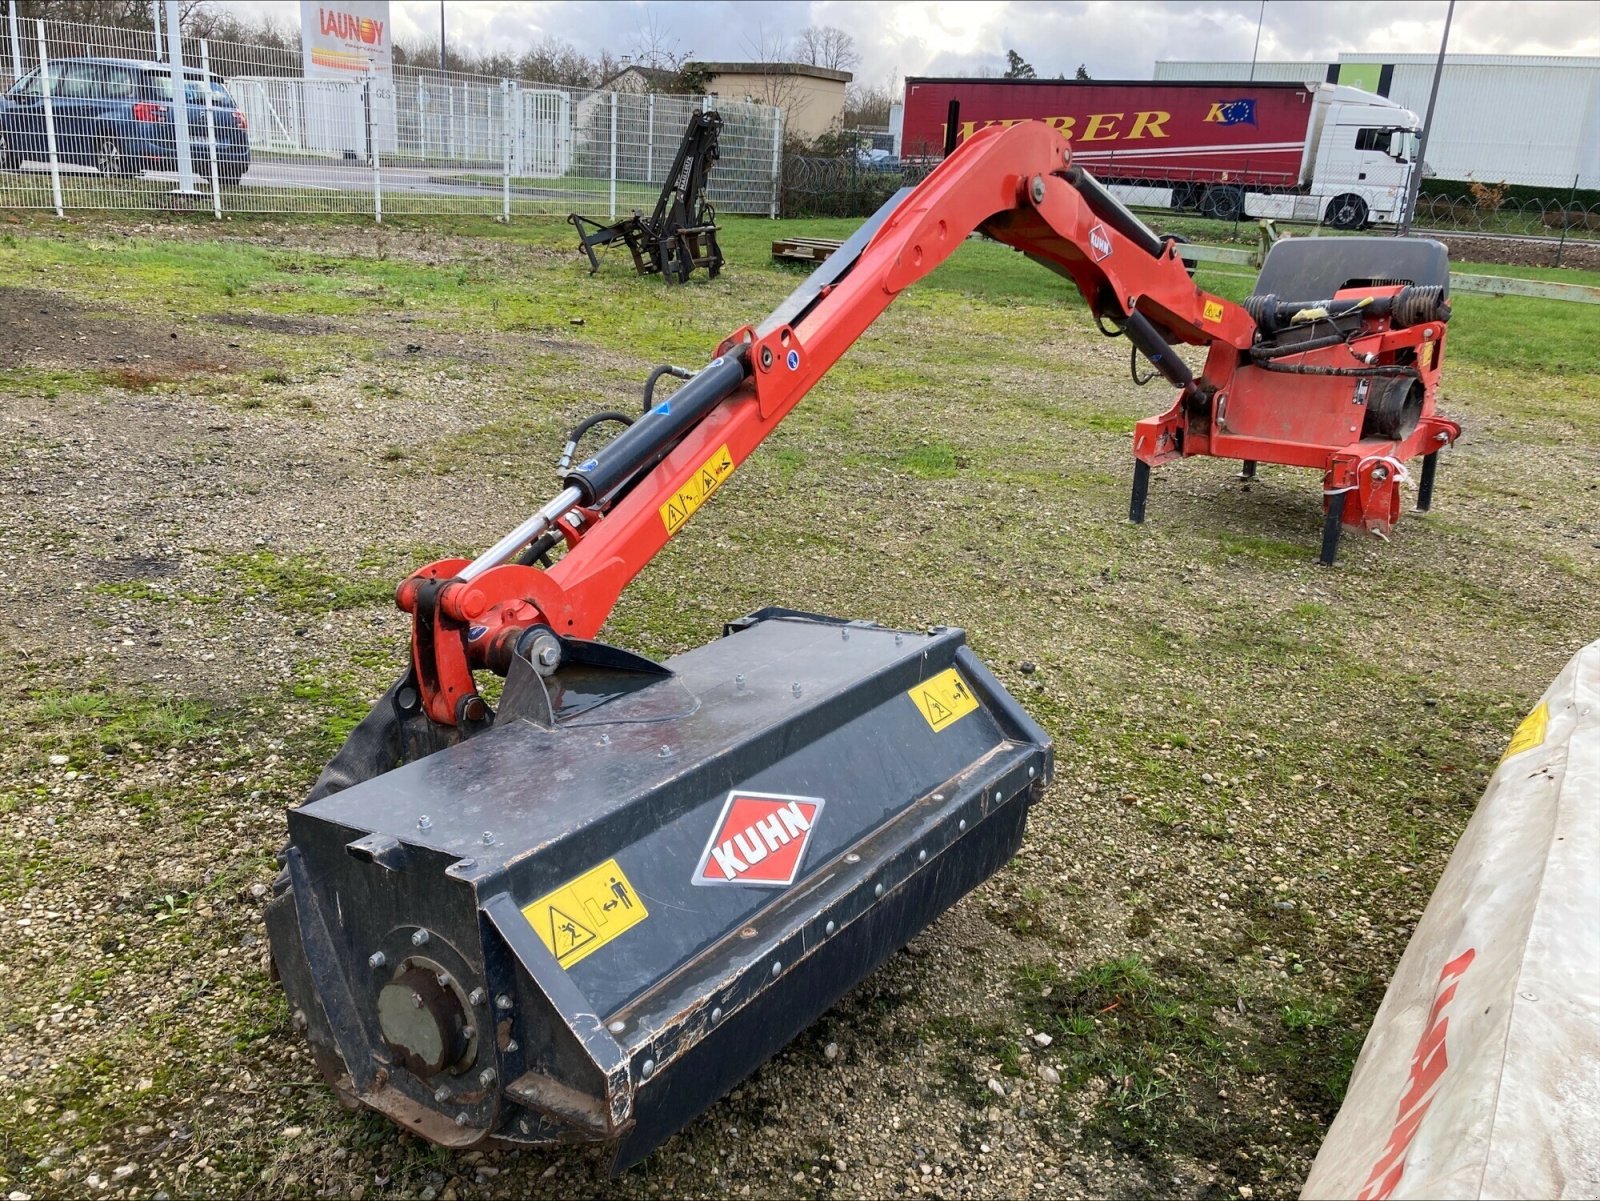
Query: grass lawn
point(226, 443)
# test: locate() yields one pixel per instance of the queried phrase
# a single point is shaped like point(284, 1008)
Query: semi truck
point(1290, 151)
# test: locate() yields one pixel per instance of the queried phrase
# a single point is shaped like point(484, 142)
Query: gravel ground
point(1263, 764)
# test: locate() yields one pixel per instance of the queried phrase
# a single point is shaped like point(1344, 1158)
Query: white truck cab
point(1359, 154)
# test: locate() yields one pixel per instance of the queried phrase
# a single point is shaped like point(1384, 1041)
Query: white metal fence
point(96, 135)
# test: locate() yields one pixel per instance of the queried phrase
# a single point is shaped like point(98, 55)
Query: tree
point(826, 46)
point(654, 47)
point(1083, 73)
point(867, 106)
point(778, 85)
point(1018, 68)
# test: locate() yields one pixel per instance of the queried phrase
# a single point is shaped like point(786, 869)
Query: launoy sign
point(760, 838)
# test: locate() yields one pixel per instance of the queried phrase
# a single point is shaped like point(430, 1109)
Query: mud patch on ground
point(1514, 253)
point(41, 329)
point(274, 323)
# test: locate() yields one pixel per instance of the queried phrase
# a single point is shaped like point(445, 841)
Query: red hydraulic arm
point(1015, 184)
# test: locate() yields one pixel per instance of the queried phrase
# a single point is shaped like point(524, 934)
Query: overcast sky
point(1113, 38)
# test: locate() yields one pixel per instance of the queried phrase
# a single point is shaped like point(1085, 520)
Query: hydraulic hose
point(583, 427)
point(650, 381)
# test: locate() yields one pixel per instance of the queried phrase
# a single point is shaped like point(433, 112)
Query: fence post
point(16, 42)
point(777, 160)
point(372, 144)
point(650, 142)
point(450, 119)
point(180, 101)
point(505, 156)
point(211, 129)
point(613, 156)
point(49, 122)
point(1566, 219)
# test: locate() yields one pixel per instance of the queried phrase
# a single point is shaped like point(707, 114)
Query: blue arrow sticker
point(664, 408)
point(793, 360)
point(476, 632)
point(589, 466)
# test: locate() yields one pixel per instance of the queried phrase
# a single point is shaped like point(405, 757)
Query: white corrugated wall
point(1519, 118)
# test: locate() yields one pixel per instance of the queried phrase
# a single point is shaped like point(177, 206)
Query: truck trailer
point(1291, 151)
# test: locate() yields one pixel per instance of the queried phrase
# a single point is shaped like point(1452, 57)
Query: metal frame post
point(211, 130)
point(777, 160)
point(372, 145)
point(650, 141)
point(155, 20)
point(613, 156)
point(49, 121)
point(180, 101)
point(505, 155)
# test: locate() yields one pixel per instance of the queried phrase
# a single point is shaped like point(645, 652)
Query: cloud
point(1114, 39)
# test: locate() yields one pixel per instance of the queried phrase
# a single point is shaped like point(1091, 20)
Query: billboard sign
point(338, 38)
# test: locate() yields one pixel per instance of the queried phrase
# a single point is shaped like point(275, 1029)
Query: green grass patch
point(300, 584)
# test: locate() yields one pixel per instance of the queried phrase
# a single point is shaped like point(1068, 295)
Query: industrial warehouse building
point(1527, 119)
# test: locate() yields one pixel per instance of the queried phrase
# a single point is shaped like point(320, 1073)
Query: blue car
point(116, 114)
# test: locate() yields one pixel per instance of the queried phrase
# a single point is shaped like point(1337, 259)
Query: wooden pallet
point(803, 250)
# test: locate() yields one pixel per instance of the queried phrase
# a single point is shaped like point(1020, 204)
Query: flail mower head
point(593, 919)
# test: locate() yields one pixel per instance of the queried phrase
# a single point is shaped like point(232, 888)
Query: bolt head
point(1038, 189)
point(488, 838)
point(617, 1027)
point(461, 1119)
point(376, 960)
point(486, 1077)
point(666, 752)
point(423, 823)
point(878, 891)
point(777, 969)
point(647, 1069)
point(419, 938)
point(550, 654)
point(502, 1002)
point(796, 687)
point(830, 928)
point(441, 1094)
point(444, 979)
point(477, 996)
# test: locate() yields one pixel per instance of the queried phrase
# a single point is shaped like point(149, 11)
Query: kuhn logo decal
point(1100, 243)
point(761, 838)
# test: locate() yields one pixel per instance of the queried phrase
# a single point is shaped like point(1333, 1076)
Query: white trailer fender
point(1480, 1076)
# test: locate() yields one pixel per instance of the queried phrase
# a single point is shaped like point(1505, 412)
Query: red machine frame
point(1017, 185)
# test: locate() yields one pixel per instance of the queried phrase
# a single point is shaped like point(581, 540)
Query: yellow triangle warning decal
point(696, 490)
point(568, 934)
point(606, 898)
point(943, 699)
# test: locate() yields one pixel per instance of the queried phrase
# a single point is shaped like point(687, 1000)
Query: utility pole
point(441, 37)
point(1427, 127)
point(1260, 15)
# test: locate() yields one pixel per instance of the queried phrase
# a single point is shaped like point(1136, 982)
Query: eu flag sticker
point(1233, 112)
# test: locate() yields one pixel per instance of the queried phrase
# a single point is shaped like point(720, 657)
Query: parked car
point(116, 114)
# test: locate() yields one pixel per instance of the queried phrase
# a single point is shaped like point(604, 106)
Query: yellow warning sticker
point(1212, 311)
point(584, 914)
point(944, 699)
point(1530, 733)
point(696, 490)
